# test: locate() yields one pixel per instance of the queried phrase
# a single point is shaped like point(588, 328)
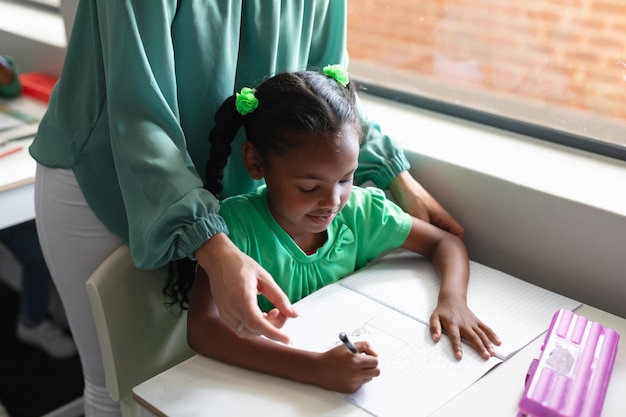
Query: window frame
point(534, 130)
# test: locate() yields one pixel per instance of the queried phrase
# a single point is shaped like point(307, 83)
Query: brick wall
point(570, 52)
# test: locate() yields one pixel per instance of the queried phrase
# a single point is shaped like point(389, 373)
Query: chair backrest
point(138, 335)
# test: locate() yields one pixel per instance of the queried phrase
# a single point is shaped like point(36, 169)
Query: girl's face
point(308, 186)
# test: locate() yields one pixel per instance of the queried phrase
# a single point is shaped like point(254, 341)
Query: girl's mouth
point(322, 219)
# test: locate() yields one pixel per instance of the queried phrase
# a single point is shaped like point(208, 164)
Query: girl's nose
point(331, 199)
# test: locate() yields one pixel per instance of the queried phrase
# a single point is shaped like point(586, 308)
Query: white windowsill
point(554, 169)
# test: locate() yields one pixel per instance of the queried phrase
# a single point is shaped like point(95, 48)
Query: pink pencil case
point(572, 374)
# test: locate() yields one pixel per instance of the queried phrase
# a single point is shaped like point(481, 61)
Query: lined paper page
point(516, 310)
point(414, 369)
point(326, 313)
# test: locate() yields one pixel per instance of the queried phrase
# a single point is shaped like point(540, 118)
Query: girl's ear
point(252, 160)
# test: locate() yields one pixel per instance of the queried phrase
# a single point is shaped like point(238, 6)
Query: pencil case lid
point(571, 375)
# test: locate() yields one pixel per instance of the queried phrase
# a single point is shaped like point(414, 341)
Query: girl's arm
point(337, 369)
point(452, 313)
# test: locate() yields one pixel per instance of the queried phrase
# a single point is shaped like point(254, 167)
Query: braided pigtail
point(228, 121)
point(180, 275)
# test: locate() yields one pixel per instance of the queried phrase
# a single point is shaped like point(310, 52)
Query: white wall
point(547, 214)
point(35, 38)
point(570, 248)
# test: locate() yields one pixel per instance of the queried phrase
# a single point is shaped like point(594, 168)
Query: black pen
point(344, 338)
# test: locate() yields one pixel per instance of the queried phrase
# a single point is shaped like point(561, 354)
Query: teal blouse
point(367, 226)
point(135, 102)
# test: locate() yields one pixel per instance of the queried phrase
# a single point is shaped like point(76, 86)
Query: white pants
point(74, 244)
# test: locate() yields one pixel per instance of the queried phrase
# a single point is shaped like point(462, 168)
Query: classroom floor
point(31, 383)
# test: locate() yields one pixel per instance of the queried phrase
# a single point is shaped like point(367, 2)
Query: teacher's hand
point(415, 200)
point(236, 280)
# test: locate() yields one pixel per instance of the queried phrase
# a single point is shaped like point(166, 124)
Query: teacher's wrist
point(404, 183)
point(212, 248)
point(214, 252)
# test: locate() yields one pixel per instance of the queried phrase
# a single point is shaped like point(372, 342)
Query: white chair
point(138, 335)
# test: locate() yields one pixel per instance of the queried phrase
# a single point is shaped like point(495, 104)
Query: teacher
point(121, 147)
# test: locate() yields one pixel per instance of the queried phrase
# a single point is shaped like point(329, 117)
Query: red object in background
point(37, 85)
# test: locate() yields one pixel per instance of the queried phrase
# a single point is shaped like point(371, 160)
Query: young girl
point(309, 226)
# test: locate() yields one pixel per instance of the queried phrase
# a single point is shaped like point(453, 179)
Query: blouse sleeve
point(169, 213)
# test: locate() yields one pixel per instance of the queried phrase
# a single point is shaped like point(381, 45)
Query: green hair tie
point(338, 72)
point(246, 102)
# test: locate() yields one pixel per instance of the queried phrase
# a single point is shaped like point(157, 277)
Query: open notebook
point(389, 303)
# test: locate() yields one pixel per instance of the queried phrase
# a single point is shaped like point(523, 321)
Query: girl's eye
point(346, 181)
point(307, 190)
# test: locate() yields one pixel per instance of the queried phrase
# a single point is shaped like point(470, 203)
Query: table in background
point(17, 184)
point(202, 386)
point(19, 119)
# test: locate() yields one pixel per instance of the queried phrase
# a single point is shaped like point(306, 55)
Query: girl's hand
point(236, 279)
point(455, 316)
point(343, 371)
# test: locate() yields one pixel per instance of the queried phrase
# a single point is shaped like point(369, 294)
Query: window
point(555, 69)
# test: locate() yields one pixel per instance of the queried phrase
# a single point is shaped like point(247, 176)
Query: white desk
point(17, 185)
point(201, 387)
point(498, 392)
point(17, 170)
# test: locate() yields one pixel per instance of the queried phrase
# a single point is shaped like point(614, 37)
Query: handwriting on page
point(406, 357)
point(413, 367)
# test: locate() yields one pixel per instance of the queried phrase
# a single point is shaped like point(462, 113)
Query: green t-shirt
point(367, 226)
point(136, 100)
